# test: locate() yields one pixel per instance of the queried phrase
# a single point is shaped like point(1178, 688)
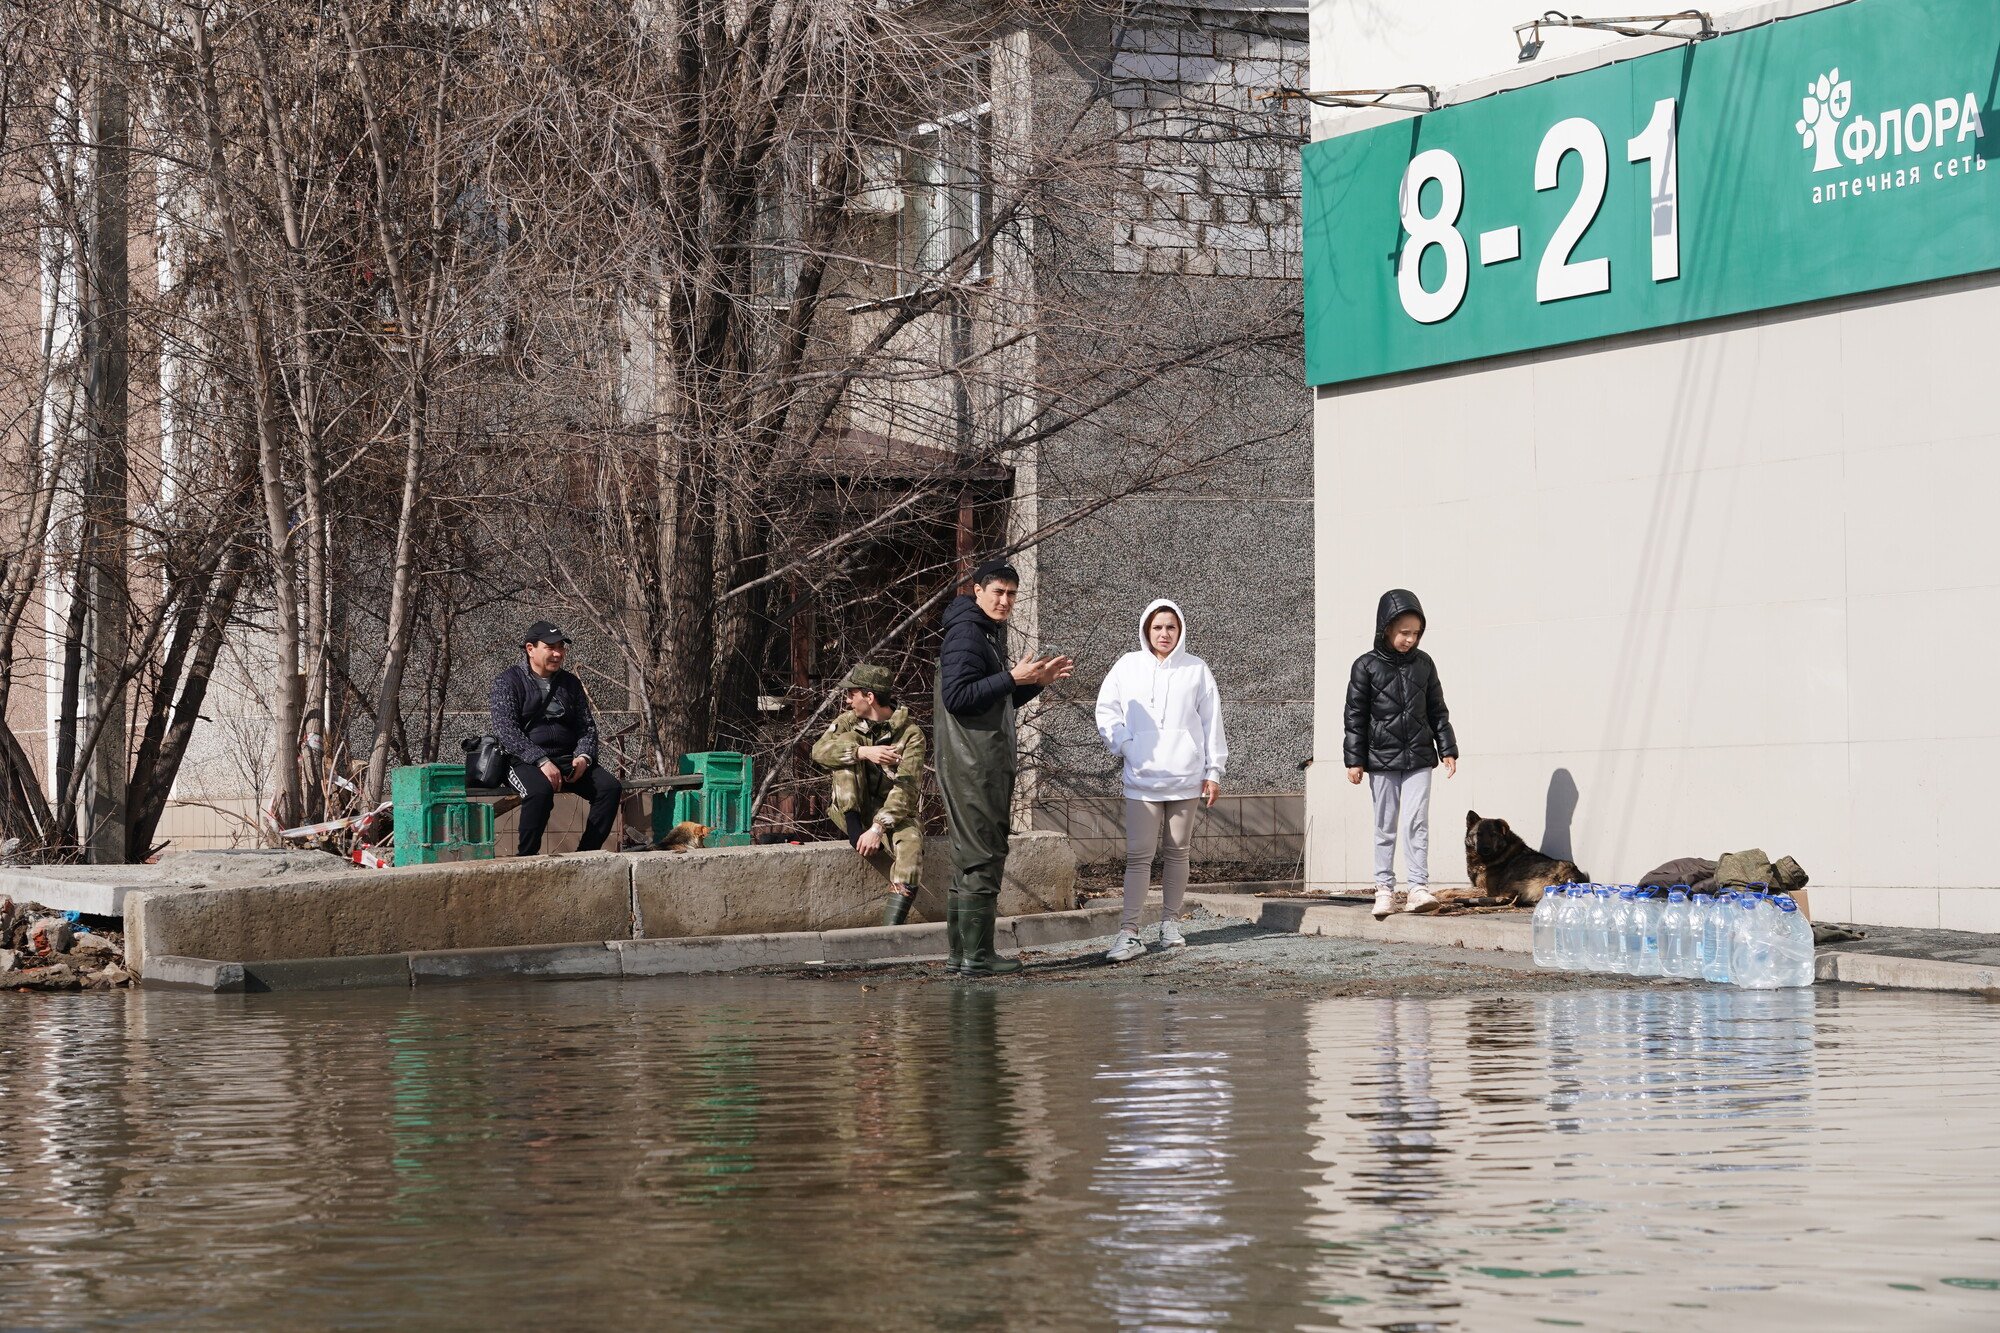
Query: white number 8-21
point(1559, 276)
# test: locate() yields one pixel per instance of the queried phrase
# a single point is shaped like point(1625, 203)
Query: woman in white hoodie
point(1159, 711)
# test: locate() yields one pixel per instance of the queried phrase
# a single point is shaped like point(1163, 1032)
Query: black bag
point(485, 762)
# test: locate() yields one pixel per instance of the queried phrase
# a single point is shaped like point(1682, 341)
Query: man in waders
point(977, 694)
point(876, 756)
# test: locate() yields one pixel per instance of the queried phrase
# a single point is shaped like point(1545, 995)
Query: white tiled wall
point(1741, 582)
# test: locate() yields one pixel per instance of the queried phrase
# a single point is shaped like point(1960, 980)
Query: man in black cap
point(977, 693)
point(543, 720)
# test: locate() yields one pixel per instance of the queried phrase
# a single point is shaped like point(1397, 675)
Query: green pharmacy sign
point(1846, 150)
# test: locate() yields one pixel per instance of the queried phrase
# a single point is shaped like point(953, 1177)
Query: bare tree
point(735, 326)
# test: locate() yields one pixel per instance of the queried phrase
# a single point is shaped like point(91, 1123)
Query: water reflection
point(981, 1172)
point(749, 1154)
point(1165, 1240)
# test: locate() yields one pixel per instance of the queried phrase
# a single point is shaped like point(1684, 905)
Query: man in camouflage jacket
point(876, 756)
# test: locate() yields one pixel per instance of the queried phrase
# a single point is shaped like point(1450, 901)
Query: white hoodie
point(1164, 719)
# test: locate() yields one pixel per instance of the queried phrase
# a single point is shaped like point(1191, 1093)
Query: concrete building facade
point(1696, 587)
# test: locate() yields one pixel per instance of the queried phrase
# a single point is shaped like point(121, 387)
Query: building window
point(946, 204)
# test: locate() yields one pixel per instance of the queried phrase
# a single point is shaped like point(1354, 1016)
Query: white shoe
point(1422, 900)
point(1385, 902)
point(1171, 937)
point(1125, 946)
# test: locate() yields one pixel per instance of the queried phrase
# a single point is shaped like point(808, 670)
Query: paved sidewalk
point(1948, 946)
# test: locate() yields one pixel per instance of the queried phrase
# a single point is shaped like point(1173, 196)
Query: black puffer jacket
point(973, 674)
point(1396, 717)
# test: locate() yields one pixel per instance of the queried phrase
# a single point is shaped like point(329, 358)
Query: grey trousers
point(1402, 798)
point(1143, 821)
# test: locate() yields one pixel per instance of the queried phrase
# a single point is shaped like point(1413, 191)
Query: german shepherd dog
point(1501, 865)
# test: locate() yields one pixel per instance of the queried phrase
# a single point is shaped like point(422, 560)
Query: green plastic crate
point(434, 821)
point(728, 786)
point(415, 786)
point(447, 831)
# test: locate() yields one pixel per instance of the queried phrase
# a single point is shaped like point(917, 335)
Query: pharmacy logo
point(1828, 99)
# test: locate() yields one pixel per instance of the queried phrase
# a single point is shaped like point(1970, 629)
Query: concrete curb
point(1039, 932)
point(552, 962)
point(866, 944)
point(1894, 973)
point(170, 972)
point(684, 956)
point(718, 953)
point(366, 970)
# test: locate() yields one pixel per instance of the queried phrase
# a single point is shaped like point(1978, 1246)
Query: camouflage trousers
point(902, 857)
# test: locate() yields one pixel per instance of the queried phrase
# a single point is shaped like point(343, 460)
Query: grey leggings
point(1143, 820)
point(1402, 798)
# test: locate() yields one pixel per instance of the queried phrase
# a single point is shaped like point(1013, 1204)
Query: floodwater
point(716, 1154)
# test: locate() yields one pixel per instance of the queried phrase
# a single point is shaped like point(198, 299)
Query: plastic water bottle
point(1631, 929)
point(1678, 947)
point(1559, 914)
point(1585, 895)
point(1615, 911)
point(1794, 944)
point(1752, 961)
point(1715, 929)
point(1569, 928)
point(1598, 945)
point(1649, 910)
point(1544, 927)
point(1705, 906)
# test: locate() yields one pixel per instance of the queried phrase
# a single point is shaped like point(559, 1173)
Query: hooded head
point(1146, 619)
point(1397, 602)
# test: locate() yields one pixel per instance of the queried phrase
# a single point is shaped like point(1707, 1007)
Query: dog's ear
point(1502, 827)
point(1471, 818)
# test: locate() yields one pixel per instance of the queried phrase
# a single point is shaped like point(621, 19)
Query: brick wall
point(1213, 170)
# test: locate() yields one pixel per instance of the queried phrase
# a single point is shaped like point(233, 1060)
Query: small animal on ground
point(682, 837)
point(1501, 864)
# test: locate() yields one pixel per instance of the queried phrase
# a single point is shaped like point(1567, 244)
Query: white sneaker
point(1422, 900)
point(1385, 902)
point(1125, 945)
point(1171, 937)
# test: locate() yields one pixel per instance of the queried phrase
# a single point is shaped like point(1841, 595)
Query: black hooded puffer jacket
point(1396, 717)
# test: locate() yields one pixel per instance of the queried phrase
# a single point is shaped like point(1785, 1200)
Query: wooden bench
point(632, 786)
point(505, 799)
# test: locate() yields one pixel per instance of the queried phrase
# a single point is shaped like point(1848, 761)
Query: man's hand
point(1354, 776)
point(1209, 791)
point(1043, 670)
point(888, 756)
point(552, 773)
point(870, 841)
point(577, 766)
point(1451, 765)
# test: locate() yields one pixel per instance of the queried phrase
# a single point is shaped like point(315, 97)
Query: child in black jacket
point(1397, 730)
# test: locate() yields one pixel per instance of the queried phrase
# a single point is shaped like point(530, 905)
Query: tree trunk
point(402, 592)
point(164, 744)
point(286, 707)
point(106, 497)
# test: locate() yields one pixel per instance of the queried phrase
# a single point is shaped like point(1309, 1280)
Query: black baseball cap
point(543, 631)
